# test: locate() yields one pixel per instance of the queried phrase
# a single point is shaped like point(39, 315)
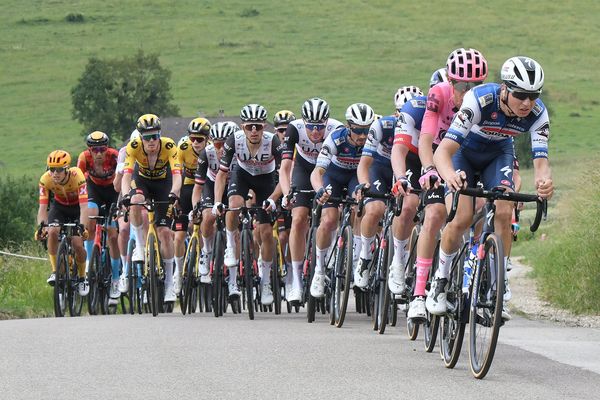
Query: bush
point(18, 211)
point(112, 94)
point(249, 13)
point(75, 17)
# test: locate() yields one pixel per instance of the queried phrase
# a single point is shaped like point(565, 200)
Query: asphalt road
point(280, 357)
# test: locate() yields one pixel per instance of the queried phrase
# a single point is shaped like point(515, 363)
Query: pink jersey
point(440, 111)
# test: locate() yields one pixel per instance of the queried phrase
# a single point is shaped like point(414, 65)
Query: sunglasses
point(465, 86)
point(281, 130)
point(359, 131)
point(57, 169)
point(524, 95)
point(152, 136)
point(258, 127)
point(312, 127)
point(98, 149)
point(199, 139)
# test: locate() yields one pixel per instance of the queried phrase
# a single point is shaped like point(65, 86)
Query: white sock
point(139, 234)
point(208, 244)
point(296, 273)
point(231, 239)
point(168, 271)
point(178, 265)
point(233, 274)
point(365, 251)
point(124, 264)
point(444, 264)
point(265, 267)
point(321, 255)
point(399, 251)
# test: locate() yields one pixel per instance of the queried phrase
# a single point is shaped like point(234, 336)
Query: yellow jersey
point(70, 193)
point(188, 159)
point(167, 156)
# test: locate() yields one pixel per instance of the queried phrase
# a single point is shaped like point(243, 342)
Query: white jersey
point(265, 161)
point(297, 139)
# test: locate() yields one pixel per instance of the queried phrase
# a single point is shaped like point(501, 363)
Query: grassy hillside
point(224, 54)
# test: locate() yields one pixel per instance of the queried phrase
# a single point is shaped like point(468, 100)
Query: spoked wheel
point(452, 325)
point(93, 279)
point(219, 295)
point(247, 264)
point(343, 275)
point(154, 298)
point(432, 324)
point(410, 278)
point(485, 315)
point(62, 282)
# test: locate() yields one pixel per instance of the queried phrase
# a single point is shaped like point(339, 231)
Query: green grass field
point(225, 54)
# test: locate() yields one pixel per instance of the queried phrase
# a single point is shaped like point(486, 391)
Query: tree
point(18, 196)
point(111, 94)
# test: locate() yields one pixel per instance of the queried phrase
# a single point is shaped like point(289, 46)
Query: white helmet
point(360, 114)
point(183, 139)
point(134, 135)
point(404, 94)
point(438, 76)
point(315, 110)
point(222, 130)
point(253, 113)
point(522, 73)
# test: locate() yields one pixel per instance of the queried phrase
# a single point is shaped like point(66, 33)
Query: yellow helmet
point(148, 122)
point(58, 159)
point(283, 117)
point(199, 126)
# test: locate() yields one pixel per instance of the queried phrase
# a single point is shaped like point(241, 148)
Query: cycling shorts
point(240, 183)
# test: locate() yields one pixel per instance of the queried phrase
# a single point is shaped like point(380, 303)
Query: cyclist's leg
point(136, 218)
point(54, 215)
point(180, 226)
point(207, 227)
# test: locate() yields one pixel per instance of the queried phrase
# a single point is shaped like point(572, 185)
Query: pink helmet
point(466, 65)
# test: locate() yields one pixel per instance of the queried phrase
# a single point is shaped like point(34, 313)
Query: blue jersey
point(408, 125)
point(381, 139)
point(338, 150)
point(481, 118)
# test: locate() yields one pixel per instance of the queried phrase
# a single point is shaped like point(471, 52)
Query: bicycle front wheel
point(343, 275)
point(485, 315)
point(247, 264)
point(62, 282)
point(412, 328)
point(154, 297)
point(94, 266)
point(218, 291)
point(188, 276)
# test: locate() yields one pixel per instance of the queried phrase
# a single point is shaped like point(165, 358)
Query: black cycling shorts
point(240, 183)
point(158, 190)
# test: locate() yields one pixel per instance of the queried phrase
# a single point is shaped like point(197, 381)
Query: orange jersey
point(70, 193)
point(167, 156)
point(102, 175)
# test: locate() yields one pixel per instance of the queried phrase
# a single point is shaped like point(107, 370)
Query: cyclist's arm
point(399, 153)
point(128, 166)
point(81, 164)
point(429, 126)
point(323, 161)
point(83, 197)
point(362, 171)
point(284, 175)
point(220, 182)
point(42, 215)
point(316, 178)
point(224, 165)
point(442, 159)
point(200, 177)
point(543, 177)
point(176, 167)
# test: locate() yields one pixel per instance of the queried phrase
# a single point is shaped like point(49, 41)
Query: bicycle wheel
point(485, 315)
point(410, 279)
point(94, 266)
point(154, 297)
point(247, 265)
point(385, 296)
point(432, 324)
point(188, 276)
point(61, 282)
point(311, 304)
point(452, 325)
point(343, 275)
point(377, 290)
point(276, 283)
point(218, 283)
point(75, 299)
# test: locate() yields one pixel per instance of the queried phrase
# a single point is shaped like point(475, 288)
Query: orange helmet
point(58, 159)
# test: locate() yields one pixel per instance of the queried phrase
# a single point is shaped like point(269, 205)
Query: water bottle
point(468, 268)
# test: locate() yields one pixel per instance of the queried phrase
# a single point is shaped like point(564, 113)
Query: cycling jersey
point(265, 161)
point(121, 160)
point(483, 122)
point(338, 150)
point(167, 156)
point(188, 159)
point(297, 140)
point(440, 111)
point(70, 193)
point(409, 124)
point(208, 165)
point(101, 175)
point(381, 139)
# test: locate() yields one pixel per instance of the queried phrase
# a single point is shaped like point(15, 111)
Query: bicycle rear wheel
point(75, 299)
point(485, 315)
point(154, 297)
point(247, 265)
point(379, 308)
point(343, 275)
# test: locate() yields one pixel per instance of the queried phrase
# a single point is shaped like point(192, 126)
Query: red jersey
point(102, 175)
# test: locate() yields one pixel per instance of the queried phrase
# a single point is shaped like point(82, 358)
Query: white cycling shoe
point(317, 286)
point(266, 294)
point(230, 258)
point(396, 279)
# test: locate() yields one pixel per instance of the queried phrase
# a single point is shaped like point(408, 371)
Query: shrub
point(75, 17)
point(18, 211)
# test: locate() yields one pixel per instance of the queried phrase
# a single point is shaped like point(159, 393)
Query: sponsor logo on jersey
point(465, 114)
point(505, 182)
point(537, 109)
point(494, 115)
point(486, 99)
point(506, 170)
point(387, 124)
point(543, 130)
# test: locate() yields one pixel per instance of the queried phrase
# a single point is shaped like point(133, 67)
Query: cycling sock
point(399, 251)
point(208, 244)
point(321, 255)
point(289, 277)
point(125, 265)
point(231, 239)
point(168, 271)
point(139, 234)
point(265, 267)
point(296, 273)
point(444, 264)
point(233, 271)
point(89, 246)
point(52, 259)
point(356, 243)
point(423, 266)
point(366, 251)
point(178, 265)
point(115, 265)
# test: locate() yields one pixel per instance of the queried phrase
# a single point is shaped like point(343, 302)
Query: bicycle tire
point(247, 265)
point(486, 297)
point(76, 303)
point(311, 304)
point(151, 264)
point(432, 324)
point(276, 284)
point(188, 276)
point(61, 279)
point(452, 325)
point(345, 264)
point(412, 328)
point(217, 276)
point(92, 298)
point(387, 247)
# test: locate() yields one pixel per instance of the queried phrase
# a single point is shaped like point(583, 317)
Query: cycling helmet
point(283, 117)
point(315, 110)
point(522, 73)
point(97, 138)
point(134, 135)
point(58, 159)
point(222, 130)
point(360, 114)
point(182, 140)
point(147, 123)
point(404, 94)
point(466, 65)
point(199, 126)
point(438, 76)
point(253, 113)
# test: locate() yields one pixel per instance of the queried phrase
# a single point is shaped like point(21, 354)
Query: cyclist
point(204, 188)
point(67, 184)
point(375, 174)
point(258, 155)
point(440, 75)
point(303, 141)
point(479, 139)
point(99, 163)
point(334, 171)
point(188, 151)
point(420, 133)
point(153, 155)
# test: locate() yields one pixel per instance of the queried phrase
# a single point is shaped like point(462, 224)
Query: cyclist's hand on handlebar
point(83, 232)
point(401, 187)
point(360, 189)
point(41, 233)
point(173, 198)
point(428, 177)
point(125, 201)
point(287, 201)
point(269, 205)
point(545, 188)
point(217, 208)
point(322, 195)
point(457, 181)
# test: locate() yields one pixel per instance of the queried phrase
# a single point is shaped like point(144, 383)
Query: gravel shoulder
point(527, 302)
